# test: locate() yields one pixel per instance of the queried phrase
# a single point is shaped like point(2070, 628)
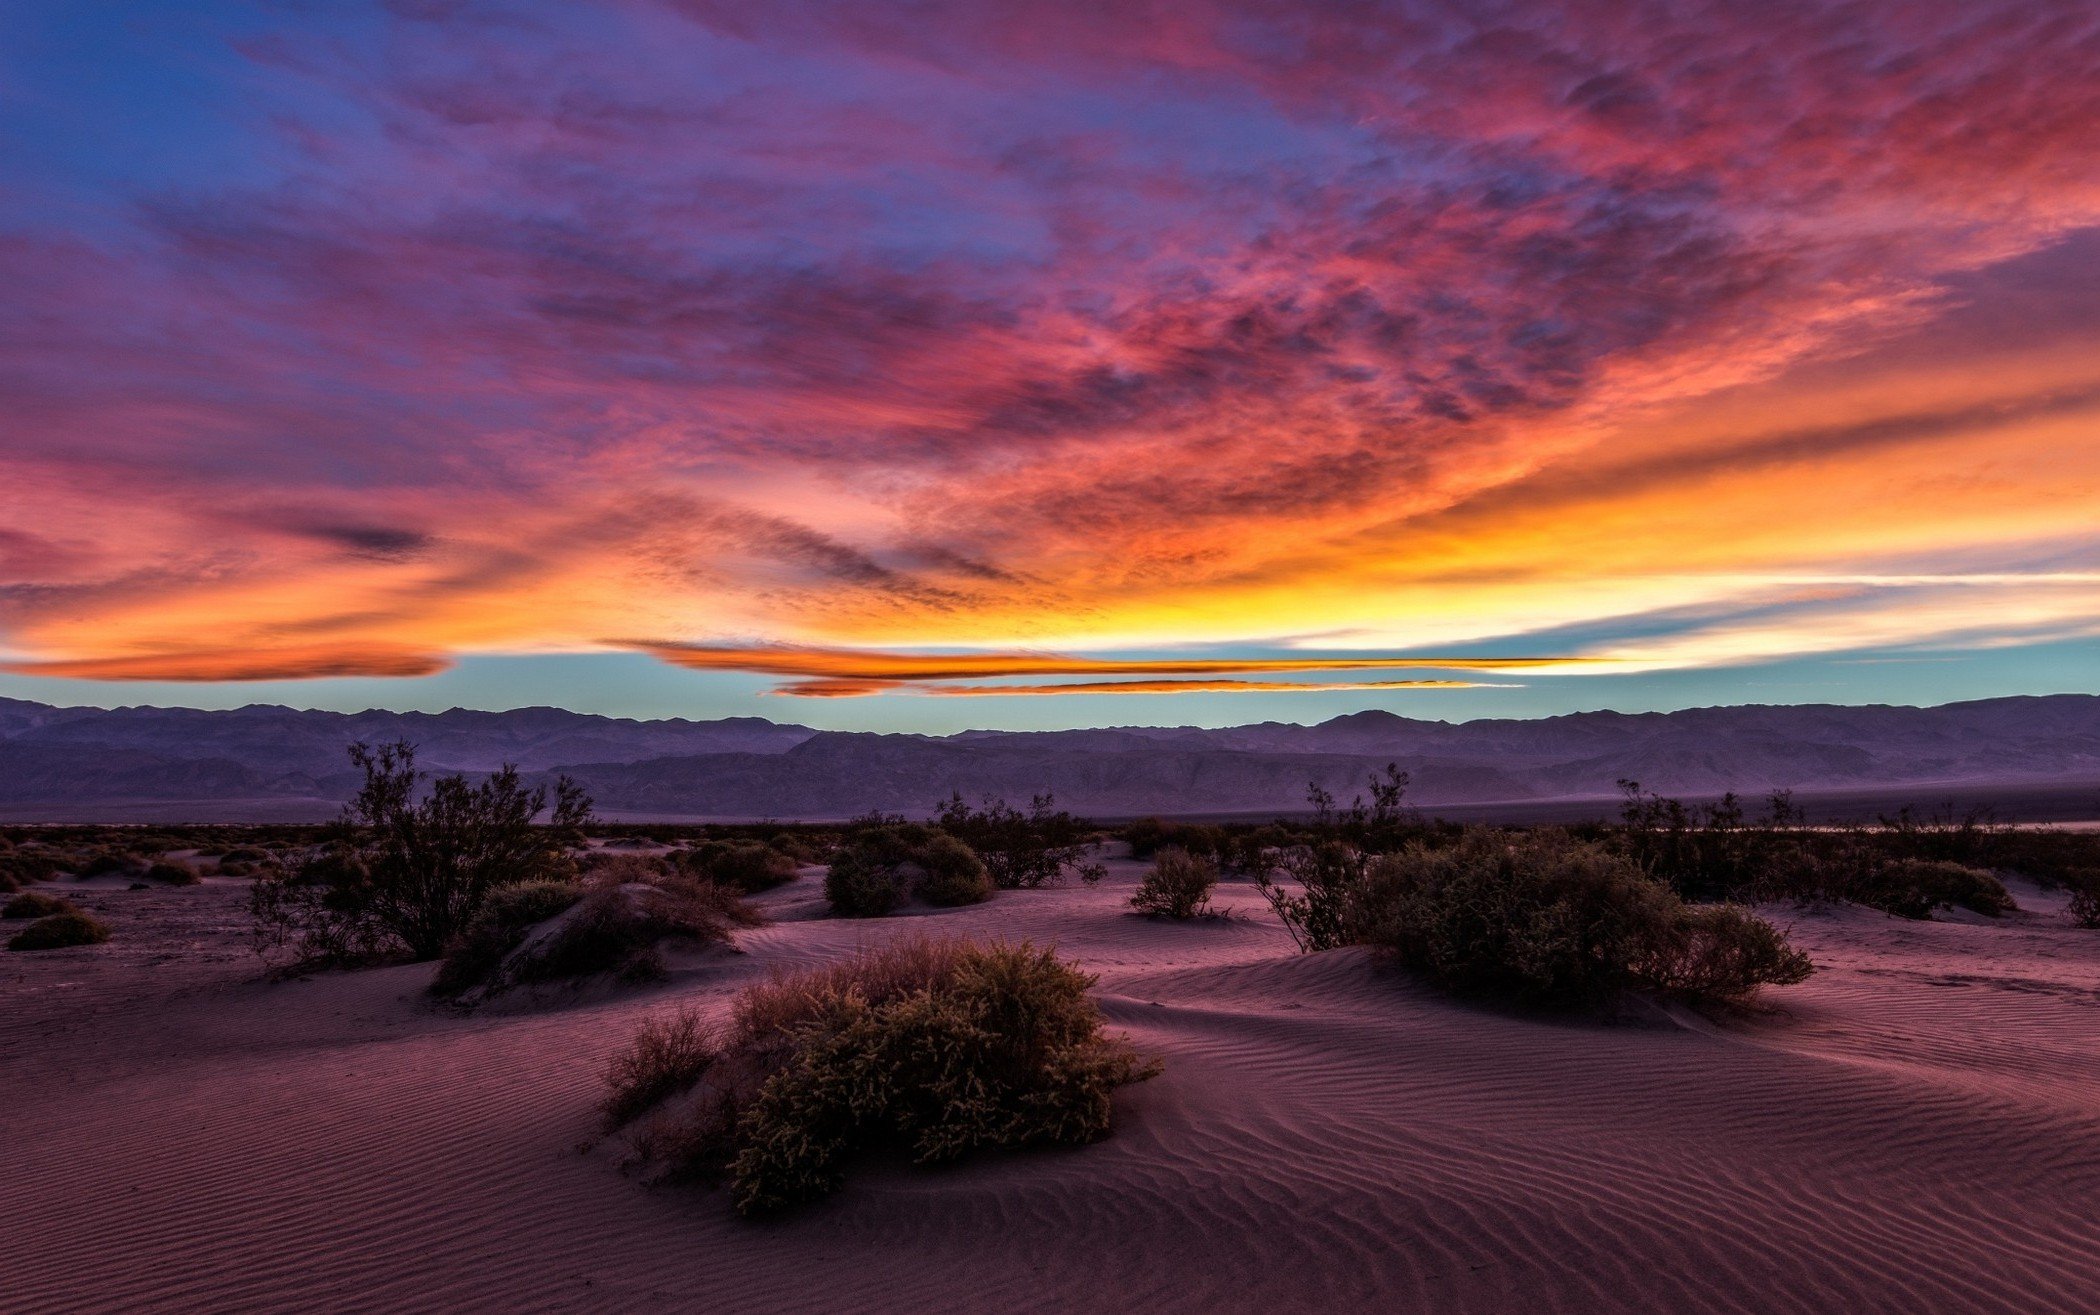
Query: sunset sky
point(1153, 362)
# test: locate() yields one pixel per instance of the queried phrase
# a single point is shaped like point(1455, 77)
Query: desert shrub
point(244, 854)
point(954, 875)
point(1539, 918)
point(172, 874)
point(507, 916)
point(745, 864)
point(667, 1056)
point(1721, 952)
point(58, 931)
point(549, 932)
point(616, 929)
point(938, 1047)
point(795, 847)
point(866, 879)
point(1178, 886)
point(2084, 907)
point(24, 867)
point(1913, 888)
point(1327, 877)
point(882, 866)
point(35, 904)
point(1021, 851)
point(110, 862)
point(408, 874)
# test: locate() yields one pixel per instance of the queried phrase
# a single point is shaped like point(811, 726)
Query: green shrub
point(35, 904)
point(1914, 888)
point(59, 931)
point(937, 1047)
point(172, 874)
point(883, 866)
point(745, 864)
point(1178, 886)
point(1541, 919)
point(954, 875)
point(863, 883)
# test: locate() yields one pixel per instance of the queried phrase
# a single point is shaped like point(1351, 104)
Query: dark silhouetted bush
point(1178, 886)
point(35, 904)
point(59, 931)
point(407, 874)
point(173, 874)
point(937, 1047)
point(2085, 899)
point(1021, 851)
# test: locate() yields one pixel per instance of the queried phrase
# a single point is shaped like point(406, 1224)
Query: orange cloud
point(239, 664)
point(866, 665)
point(842, 688)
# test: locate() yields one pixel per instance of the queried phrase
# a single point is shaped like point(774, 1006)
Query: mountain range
point(275, 763)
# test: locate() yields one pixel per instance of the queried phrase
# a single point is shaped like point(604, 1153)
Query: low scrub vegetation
point(939, 1048)
point(35, 904)
point(405, 871)
point(60, 931)
point(1178, 886)
point(614, 923)
point(1022, 851)
point(887, 864)
point(749, 865)
point(1536, 918)
point(1542, 919)
point(172, 874)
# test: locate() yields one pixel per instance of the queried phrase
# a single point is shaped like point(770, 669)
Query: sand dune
point(1913, 1130)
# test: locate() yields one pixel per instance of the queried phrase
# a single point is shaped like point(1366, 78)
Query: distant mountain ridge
point(266, 761)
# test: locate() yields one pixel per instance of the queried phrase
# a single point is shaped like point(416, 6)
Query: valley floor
point(1917, 1128)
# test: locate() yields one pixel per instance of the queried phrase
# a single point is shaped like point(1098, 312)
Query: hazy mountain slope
point(53, 759)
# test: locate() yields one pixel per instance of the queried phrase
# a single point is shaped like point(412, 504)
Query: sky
point(1017, 363)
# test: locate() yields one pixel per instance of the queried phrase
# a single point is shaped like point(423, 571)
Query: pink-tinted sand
point(1917, 1128)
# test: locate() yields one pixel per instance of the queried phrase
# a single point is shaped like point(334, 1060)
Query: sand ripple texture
point(1916, 1129)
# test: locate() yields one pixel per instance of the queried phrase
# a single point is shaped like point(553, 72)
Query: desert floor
point(1917, 1128)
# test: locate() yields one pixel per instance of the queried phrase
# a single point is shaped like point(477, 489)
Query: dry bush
point(667, 1056)
point(1178, 886)
point(173, 874)
point(1539, 918)
point(35, 904)
point(59, 931)
point(1720, 952)
point(939, 1047)
point(2084, 884)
